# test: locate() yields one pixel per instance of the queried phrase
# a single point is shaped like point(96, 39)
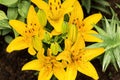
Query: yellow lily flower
point(84, 25)
point(78, 58)
point(55, 11)
point(28, 33)
point(47, 65)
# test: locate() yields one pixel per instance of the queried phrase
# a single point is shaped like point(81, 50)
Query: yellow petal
point(57, 24)
point(40, 54)
point(45, 74)
point(65, 55)
point(31, 50)
point(91, 20)
point(32, 65)
point(41, 5)
point(18, 43)
point(32, 18)
point(68, 44)
point(71, 72)
point(67, 6)
point(18, 26)
point(55, 33)
point(57, 72)
point(89, 37)
point(79, 44)
point(77, 12)
point(92, 53)
point(88, 69)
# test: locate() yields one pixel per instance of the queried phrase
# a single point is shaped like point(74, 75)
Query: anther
point(25, 31)
point(50, 3)
point(35, 24)
point(58, 3)
point(50, 8)
point(29, 31)
point(59, 6)
point(55, 8)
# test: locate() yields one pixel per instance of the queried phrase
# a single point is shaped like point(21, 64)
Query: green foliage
point(9, 3)
point(101, 5)
point(23, 7)
point(17, 9)
point(111, 42)
point(12, 13)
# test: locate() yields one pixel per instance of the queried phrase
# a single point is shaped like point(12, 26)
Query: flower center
point(55, 9)
point(31, 30)
point(77, 55)
point(79, 24)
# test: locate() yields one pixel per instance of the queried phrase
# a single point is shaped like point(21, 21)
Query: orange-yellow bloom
point(84, 25)
point(29, 32)
point(55, 11)
point(78, 58)
point(47, 65)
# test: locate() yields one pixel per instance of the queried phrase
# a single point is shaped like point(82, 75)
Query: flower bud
point(37, 43)
point(54, 48)
point(42, 17)
point(72, 33)
point(64, 27)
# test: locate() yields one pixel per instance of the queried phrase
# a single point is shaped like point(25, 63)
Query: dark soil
point(11, 63)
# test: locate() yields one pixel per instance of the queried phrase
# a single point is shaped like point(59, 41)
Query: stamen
point(82, 25)
point(58, 3)
point(25, 31)
point(26, 26)
point(35, 24)
point(33, 29)
point(50, 3)
point(55, 8)
point(29, 31)
point(50, 8)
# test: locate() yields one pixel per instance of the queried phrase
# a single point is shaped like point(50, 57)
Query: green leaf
point(118, 5)
point(101, 31)
point(117, 55)
point(23, 8)
point(5, 31)
point(108, 27)
point(12, 13)
point(106, 60)
point(87, 5)
point(8, 39)
point(113, 61)
point(102, 2)
point(101, 8)
point(96, 45)
point(4, 24)
point(2, 15)
point(9, 3)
